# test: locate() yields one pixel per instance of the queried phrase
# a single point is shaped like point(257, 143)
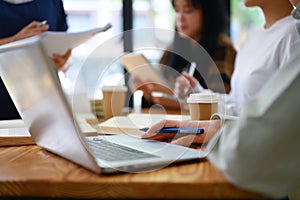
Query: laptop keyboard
point(105, 150)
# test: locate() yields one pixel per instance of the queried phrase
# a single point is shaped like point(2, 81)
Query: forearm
point(7, 40)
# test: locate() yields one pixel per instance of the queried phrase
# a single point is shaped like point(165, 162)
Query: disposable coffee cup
point(202, 105)
point(113, 100)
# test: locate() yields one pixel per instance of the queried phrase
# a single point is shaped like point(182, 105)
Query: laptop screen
point(7, 108)
point(31, 80)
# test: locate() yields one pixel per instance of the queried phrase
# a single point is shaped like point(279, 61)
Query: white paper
point(60, 42)
point(139, 121)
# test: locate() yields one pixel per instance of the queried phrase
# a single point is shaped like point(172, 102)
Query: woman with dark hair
point(200, 38)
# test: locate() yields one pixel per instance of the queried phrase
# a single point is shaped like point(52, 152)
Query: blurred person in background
point(264, 52)
point(199, 37)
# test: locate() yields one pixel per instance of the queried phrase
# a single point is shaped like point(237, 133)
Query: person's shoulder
point(286, 25)
point(289, 31)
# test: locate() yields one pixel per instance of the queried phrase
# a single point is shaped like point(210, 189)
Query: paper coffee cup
point(113, 100)
point(202, 105)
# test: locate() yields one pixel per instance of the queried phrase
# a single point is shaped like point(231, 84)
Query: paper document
point(138, 65)
point(60, 42)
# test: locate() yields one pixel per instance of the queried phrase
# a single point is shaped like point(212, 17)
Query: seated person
point(257, 60)
point(195, 40)
point(259, 149)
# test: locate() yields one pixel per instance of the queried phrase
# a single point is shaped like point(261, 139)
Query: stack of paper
point(14, 132)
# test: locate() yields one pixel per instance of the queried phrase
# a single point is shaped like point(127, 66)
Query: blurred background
point(93, 72)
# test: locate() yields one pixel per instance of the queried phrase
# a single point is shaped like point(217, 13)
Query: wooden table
point(29, 171)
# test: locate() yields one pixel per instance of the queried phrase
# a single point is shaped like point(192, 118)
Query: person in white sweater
point(264, 52)
point(259, 150)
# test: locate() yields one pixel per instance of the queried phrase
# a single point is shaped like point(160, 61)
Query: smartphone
point(167, 96)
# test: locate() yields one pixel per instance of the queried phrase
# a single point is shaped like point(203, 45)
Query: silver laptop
point(34, 87)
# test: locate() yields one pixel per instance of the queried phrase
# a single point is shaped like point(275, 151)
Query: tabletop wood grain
point(32, 171)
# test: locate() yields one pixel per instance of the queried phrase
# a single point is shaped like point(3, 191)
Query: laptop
point(34, 87)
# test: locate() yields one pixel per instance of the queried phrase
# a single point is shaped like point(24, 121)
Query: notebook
point(34, 87)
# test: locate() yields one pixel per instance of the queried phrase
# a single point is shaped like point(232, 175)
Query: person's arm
point(260, 150)
point(32, 29)
point(210, 128)
point(186, 84)
point(6, 40)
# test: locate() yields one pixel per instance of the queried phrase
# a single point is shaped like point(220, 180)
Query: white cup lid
point(202, 98)
point(115, 88)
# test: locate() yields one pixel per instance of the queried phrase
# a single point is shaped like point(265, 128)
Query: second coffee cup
point(113, 100)
point(202, 105)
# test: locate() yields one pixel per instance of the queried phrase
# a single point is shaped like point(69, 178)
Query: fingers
point(35, 27)
point(174, 138)
point(182, 87)
point(210, 129)
point(186, 140)
point(152, 131)
point(166, 103)
point(60, 60)
point(192, 81)
point(32, 29)
point(135, 83)
point(164, 123)
point(164, 137)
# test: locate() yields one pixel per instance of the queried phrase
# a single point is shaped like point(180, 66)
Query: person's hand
point(147, 87)
point(32, 29)
point(210, 128)
point(135, 83)
point(168, 104)
point(164, 102)
point(184, 85)
point(61, 60)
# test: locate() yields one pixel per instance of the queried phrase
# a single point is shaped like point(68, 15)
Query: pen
point(192, 68)
point(186, 131)
point(42, 23)
point(191, 73)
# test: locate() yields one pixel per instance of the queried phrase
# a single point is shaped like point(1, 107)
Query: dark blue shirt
point(13, 17)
